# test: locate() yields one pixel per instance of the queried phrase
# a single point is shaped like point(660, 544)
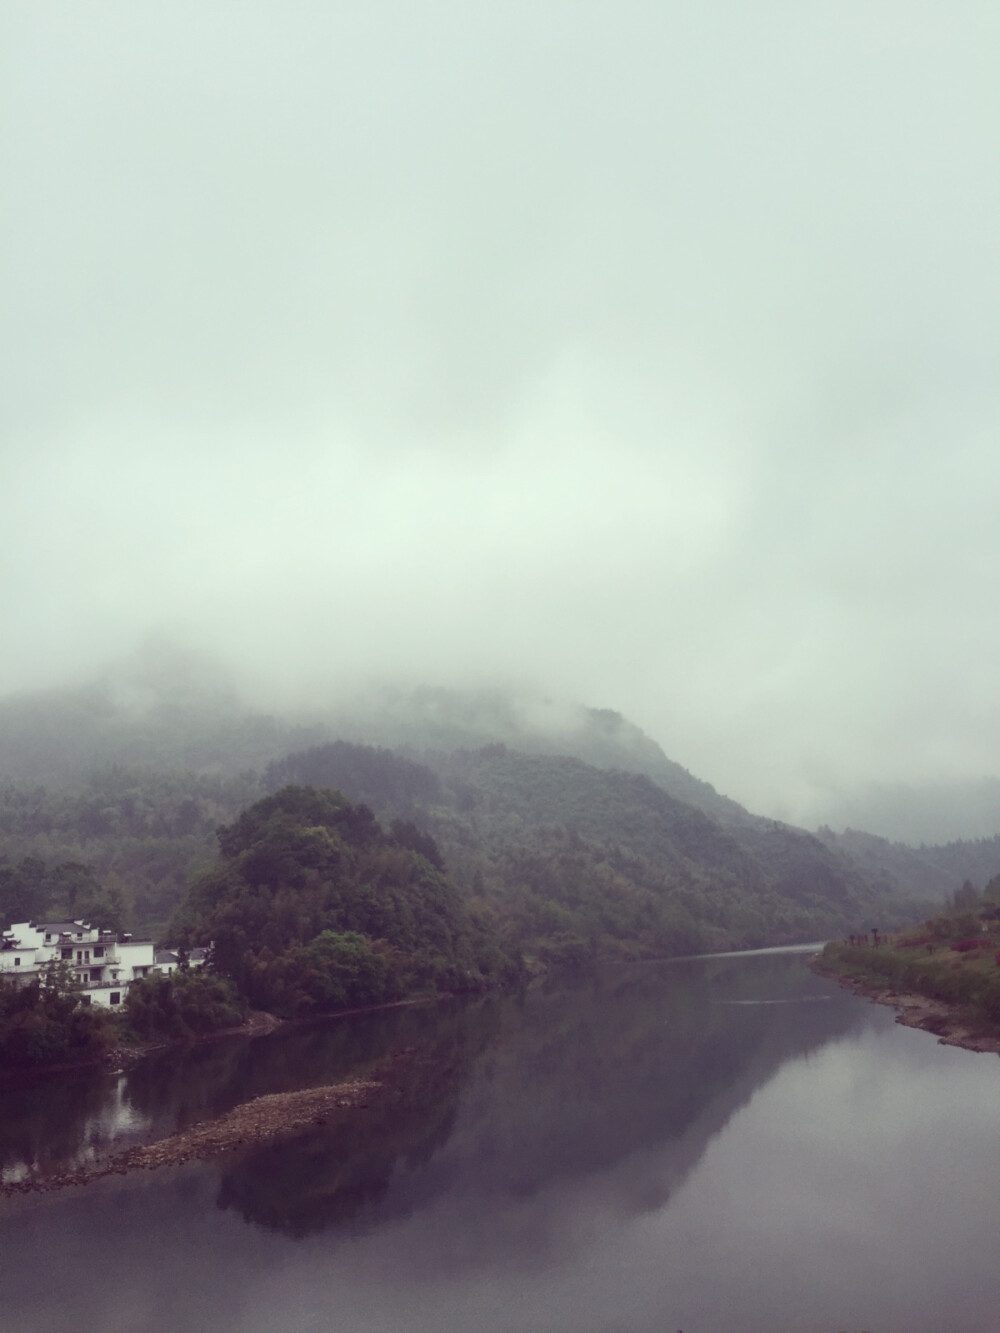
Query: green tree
point(44, 1023)
point(312, 905)
point(23, 891)
point(182, 1004)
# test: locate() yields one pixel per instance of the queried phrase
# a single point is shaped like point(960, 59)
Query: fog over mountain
point(638, 357)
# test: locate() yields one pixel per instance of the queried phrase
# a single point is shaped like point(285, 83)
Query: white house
point(169, 960)
point(102, 962)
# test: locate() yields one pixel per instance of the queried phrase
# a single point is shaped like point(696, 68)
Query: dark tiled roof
point(61, 927)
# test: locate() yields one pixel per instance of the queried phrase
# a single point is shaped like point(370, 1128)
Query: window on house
point(99, 951)
point(115, 997)
point(17, 962)
point(67, 953)
point(86, 955)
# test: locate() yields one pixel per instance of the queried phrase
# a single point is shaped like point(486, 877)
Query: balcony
point(91, 984)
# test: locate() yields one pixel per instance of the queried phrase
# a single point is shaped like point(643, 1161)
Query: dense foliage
point(182, 1004)
point(313, 906)
point(138, 835)
point(559, 858)
point(43, 1023)
point(373, 776)
point(30, 890)
point(333, 971)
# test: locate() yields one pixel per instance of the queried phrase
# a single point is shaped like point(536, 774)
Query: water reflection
point(56, 1122)
point(340, 1176)
point(179, 1086)
point(554, 1087)
point(60, 1120)
point(714, 1146)
point(613, 1063)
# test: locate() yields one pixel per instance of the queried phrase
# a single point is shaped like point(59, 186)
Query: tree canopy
point(311, 905)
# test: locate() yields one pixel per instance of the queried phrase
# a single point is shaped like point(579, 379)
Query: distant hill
point(931, 813)
point(163, 709)
point(438, 719)
point(926, 872)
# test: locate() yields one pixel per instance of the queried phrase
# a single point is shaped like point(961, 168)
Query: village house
point(103, 962)
point(169, 960)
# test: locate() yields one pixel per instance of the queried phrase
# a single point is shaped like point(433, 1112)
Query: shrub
point(43, 1023)
point(333, 971)
point(182, 1004)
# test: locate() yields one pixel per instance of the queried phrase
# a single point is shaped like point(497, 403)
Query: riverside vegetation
point(311, 908)
point(952, 958)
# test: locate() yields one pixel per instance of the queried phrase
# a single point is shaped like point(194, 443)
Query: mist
point(644, 355)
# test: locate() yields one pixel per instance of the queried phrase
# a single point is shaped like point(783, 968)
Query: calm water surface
point(712, 1146)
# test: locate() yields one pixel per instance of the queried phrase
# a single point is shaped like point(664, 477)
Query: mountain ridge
point(551, 790)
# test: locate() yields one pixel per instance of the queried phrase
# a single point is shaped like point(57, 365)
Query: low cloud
point(645, 357)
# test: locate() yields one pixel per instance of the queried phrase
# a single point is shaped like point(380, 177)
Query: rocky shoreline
point(266, 1119)
point(953, 1025)
point(122, 1057)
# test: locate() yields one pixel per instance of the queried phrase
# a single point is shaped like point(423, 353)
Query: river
point(713, 1145)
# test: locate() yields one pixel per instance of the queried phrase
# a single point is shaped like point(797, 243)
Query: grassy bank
point(962, 973)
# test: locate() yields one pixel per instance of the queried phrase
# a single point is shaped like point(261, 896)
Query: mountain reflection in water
point(567, 1086)
point(630, 1153)
point(559, 1085)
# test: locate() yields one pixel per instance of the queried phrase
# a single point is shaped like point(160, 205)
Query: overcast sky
point(644, 353)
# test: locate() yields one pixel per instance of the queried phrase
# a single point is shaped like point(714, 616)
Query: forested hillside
point(573, 860)
point(167, 710)
point(928, 872)
point(122, 844)
point(574, 836)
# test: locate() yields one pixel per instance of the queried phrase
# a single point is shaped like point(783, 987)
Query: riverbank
point(953, 1023)
point(257, 1023)
point(124, 1055)
point(127, 1053)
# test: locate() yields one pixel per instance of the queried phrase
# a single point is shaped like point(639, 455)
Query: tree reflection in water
point(513, 1096)
point(57, 1121)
